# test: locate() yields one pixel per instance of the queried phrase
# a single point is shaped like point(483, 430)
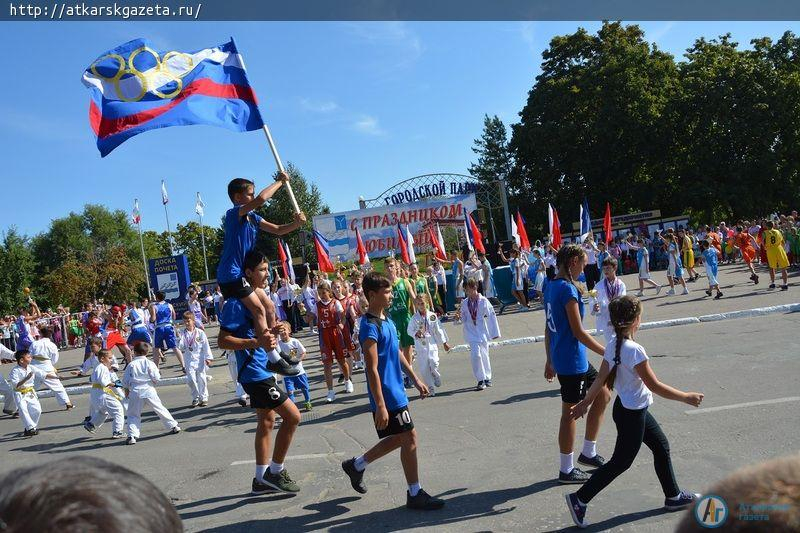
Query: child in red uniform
point(113, 336)
point(330, 314)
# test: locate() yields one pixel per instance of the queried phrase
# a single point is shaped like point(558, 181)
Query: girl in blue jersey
point(565, 344)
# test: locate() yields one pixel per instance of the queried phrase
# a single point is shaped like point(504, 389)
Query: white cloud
point(398, 45)
point(526, 31)
point(659, 33)
point(319, 106)
point(368, 125)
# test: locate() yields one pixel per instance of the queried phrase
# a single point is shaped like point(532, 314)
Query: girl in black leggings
point(626, 368)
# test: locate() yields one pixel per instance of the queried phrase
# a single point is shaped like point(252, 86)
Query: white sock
point(414, 489)
point(275, 468)
point(566, 462)
point(274, 356)
point(361, 463)
point(589, 448)
point(260, 471)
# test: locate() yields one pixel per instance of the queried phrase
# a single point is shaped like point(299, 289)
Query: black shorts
point(574, 386)
point(399, 422)
point(236, 289)
point(265, 394)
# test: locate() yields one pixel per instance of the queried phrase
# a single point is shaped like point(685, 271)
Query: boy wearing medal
point(197, 357)
point(294, 348)
point(480, 326)
point(428, 334)
point(610, 287)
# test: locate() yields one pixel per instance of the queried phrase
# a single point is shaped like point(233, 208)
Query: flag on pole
point(135, 88)
point(286, 260)
point(468, 232)
point(440, 240)
point(607, 223)
point(164, 197)
point(586, 220)
point(556, 232)
point(199, 205)
point(474, 234)
point(136, 216)
point(323, 253)
point(402, 245)
point(524, 243)
point(410, 243)
point(515, 232)
point(363, 256)
point(436, 241)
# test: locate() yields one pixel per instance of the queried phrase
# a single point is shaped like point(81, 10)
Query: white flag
point(164, 197)
point(199, 205)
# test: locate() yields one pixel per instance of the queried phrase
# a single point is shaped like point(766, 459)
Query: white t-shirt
point(629, 386)
point(591, 255)
point(294, 348)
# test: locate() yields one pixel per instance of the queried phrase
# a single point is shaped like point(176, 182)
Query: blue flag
point(586, 220)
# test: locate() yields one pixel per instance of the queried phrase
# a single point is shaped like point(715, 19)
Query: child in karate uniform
point(197, 356)
point(424, 326)
point(480, 326)
point(9, 405)
point(22, 378)
point(140, 376)
point(607, 289)
point(104, 398)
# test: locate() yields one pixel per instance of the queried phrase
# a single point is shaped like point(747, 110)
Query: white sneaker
point(437, 381)
point(331, 396)
point(431, 391)
point(670, 292)
point(685, 291)
point(348, 386)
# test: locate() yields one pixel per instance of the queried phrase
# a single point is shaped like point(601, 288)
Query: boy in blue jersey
point(711, 260)
point(237, 333)
point(387, 396)
point(241, 230)
point(162, 314)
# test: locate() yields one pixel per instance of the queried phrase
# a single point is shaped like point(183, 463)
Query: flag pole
point(278, 162)
point(144, 257)
point(202, 236)
point(169, 232)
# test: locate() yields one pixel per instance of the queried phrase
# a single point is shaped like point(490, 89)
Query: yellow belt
point(26, 390)
point(107, 390)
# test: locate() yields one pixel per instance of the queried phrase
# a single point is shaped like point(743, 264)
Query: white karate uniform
point(45, 357)
point(234, 371)
point(105, 400)
point(196, 351)
point(427, 347)
point(603, 298)
point(9, 404)
point(27, 401)
point(478, 335)
point(140, 376)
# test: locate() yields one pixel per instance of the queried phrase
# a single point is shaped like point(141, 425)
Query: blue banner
point(170, 275)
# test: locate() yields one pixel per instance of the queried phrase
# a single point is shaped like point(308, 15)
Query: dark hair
point(374, 282)
point(19, 354)
point(142, 348)
point(80, 495)
point(160, 295)
point(610, 261)
point(770, 224)
point(46, 331)
point(252, 259)
point(238, 186)
point(104, 353)
point(96, 340)
point(623, 312)
point(471, 284)
point(565, 254)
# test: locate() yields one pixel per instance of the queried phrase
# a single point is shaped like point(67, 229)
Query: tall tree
point(495, 160)
point(17, 266)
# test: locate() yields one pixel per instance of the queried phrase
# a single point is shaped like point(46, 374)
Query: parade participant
point(162, 314)
point(428, 334)
point(25, 318)
point(9, 404)
point(537, 273)
point(473, 269)
point(104, 399)
point(518, 273)
point(591, 271)
point(610, 287)
point(746, 244)
point(776, 255)
point(387, 397)
point(687, 254)
point(626, 368)
point(138, 318)
point(458, 276)
point(352, 315)
point(487, 276)
point(22, 378)
point(289, 345)
point(402, 307)
point(418, 280)
point(193, 342)
point(479, 326)
point(441, 286)
point(44, 354)
point(674, 266)
point(140, 377)
point(196, 307)
point(237, 333)
point(711, 258)
point(310, 299)
point(565, 345)
point(330, 314)
point(340, 294)
point(643, 262)
point(112, 332)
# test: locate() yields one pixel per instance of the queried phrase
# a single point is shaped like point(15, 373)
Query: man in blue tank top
point(162, 314)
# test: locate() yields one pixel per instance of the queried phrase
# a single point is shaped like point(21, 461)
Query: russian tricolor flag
point(323, 253)
point(135, 88)
point(474, 237)
point(286, 260)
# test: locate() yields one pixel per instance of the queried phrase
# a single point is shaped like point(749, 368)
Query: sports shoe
point(639, 294)
point(755, 280)
point(203, 403)
point(576, 476)
point(423, 501)
point(175, 430)
point(771, 285)
point(577, 511)
point(195, 403)
point(437, 381)
point(597, 461)
point(785, 287)
point(88, 426)
point(708, 292)
point(487, 382)
point(718, 296)
point(117, 435)
point(131, 440)
point(307, 406)
point(348, 386)
point(260, 488)
point(481, 386)
point(283, 368)
point(69, 406)
point(356, 476)
point(29, 432)
point(683, 500)
point(670, 292)
point(340, 379)
point(331, 396)
point(658, 289)
point(280, 481)
point(242, 402)
point(685, 291)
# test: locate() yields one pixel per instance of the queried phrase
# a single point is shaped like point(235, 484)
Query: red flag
point(556, 231)
point(282, 257)
point(363, 257)
point(321, 247)
point(607, 223)
point(477, 238)
point(438, 247)
point(524, 243)
point(402, 243)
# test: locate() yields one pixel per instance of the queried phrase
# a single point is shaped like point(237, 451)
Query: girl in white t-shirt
point(626, 368)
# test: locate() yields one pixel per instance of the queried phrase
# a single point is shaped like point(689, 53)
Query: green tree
point(188, 241)
point(495, 160)
point(17, 267)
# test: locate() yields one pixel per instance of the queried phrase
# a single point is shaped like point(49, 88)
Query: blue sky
point(356, 106)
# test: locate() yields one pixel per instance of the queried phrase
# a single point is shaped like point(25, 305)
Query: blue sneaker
point(577, 511)
point(682, 501)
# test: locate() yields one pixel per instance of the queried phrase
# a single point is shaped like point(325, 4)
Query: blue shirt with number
point(237, 320)
point(389, 370)
point(240, 238)
point(568, 356)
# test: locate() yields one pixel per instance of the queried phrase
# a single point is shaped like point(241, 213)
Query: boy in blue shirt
point(237, 333)
point(241, 230)
point(711, 259)
point(387, 396)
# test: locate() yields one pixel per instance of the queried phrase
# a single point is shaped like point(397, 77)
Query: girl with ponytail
point(626, 368)
point(565, 344)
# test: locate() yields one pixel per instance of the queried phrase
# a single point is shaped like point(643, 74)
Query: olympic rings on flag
point(162, 69)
